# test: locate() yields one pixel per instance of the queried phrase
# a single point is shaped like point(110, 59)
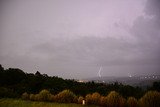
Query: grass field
point(22, 103)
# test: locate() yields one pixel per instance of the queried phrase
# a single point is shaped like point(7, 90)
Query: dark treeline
point(14, 82)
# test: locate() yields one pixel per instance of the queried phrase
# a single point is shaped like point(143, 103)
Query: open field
point(22, 103)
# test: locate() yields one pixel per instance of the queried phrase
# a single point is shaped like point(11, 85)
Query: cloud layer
point(73, 39)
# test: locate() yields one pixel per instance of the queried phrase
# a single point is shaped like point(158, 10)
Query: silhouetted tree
point(1, 68)
point(38, 73)
point(156, 86)
point(15, 82)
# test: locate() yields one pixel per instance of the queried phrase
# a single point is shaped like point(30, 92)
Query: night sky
point(74, 38)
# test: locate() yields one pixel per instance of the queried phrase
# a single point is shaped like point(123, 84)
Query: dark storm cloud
point(73, 39)
point(153, 7)
point(146, 30)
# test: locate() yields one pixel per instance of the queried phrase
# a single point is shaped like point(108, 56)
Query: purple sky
point(73, 38)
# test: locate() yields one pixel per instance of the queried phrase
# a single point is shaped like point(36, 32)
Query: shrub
point(36, 97)
point(132, 102)
point(65, 96)
point(32, 97)
point(52, 98)
point(115, 100)
point(44, 95)
point(80, 99)
point(103, 101)
point(88, 99)
point(25, 96)
point(150, 99)
point(56, 98)
point(75, 100)
point(7, 93)
point(122, 102)
point(95, 98)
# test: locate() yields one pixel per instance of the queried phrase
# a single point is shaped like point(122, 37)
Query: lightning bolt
point(99, 72)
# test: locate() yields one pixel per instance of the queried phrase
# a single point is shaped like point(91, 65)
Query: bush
point(32, 97)
point(132, 102)
point(75, 100)
point(80, 99)
point(88, 99)
point(96, 98)
point(115, 100)
point(150, 99)
point(36, 97)
point(44, 95)
point(93, 98)
point(103, 101)
point(66, 96)
point(122, 102)
point(7, 93)
point(25, 96)
point(52, 98)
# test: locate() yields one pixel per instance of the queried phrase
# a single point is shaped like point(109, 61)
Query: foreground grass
point(22, 103)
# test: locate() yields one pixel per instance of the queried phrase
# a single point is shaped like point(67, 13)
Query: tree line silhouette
point(14, 82)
